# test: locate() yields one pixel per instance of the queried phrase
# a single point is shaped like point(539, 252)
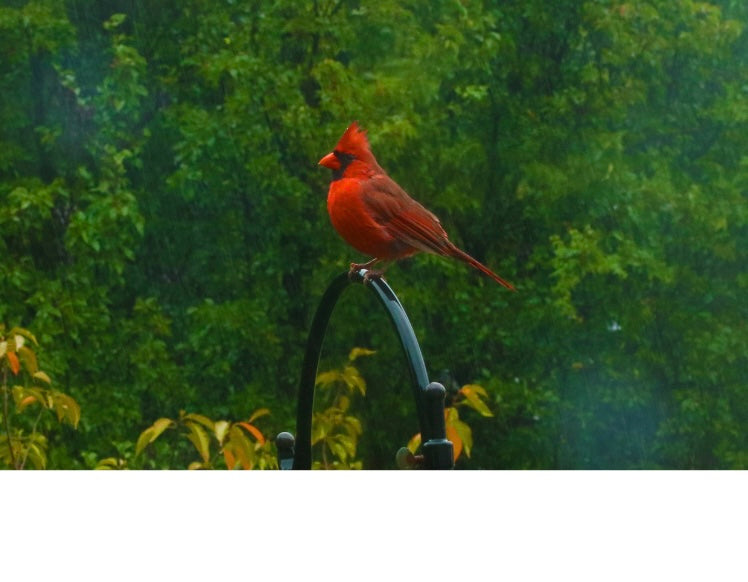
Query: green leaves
point(458, 431)
point(348, 375)
point(150, 434)
point(66, 408)
point(234, 446)
point(21, 429)
point(334, 429)
point(474, 395)
point(114, 21)
point(164, 230)
point(199, 438)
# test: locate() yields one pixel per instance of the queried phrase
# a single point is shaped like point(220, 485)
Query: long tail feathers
point(463, 256)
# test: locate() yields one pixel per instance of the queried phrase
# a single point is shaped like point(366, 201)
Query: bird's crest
point(354, 142)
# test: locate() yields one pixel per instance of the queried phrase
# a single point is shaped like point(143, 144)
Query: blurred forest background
point(165, 235)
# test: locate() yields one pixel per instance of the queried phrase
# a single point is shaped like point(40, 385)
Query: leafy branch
point(335, 430)
point(458, 431)
point(33, 389)
point(220, 443)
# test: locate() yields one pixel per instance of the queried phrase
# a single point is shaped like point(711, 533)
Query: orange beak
point(330, 161)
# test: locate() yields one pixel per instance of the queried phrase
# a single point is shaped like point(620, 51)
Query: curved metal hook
point(430, 418)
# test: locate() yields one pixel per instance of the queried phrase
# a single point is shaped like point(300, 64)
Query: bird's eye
point(344, 158)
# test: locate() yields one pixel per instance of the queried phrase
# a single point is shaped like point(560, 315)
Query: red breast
point(355, 223)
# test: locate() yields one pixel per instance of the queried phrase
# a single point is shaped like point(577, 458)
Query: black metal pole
point(430, 413)
point(303, 449)
point(418, 374)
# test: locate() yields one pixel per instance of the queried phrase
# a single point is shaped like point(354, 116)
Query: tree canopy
point(165, 236)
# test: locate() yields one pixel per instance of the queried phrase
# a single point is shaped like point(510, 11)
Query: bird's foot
point(353, 271)
point(369, 275)
point(356, 267)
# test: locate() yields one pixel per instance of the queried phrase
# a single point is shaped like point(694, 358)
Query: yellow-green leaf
point(160, 426)
point(28, 357)
point(16, 331)
point(473, 393)
point(414, 443)
point(343, 403)
point(110, 463)
point(152, 433)
point(461, 429)
point(241, 447)
point(454, 437)
point(199, 418)
point(477, 388)
point(353, 425)
point(39, 375)
point(66, 408)
point(349, 444)
point(353, 379)
point(221, 429)
point(325, 379)
point(320, 427)
point(258, 413)
point(358, 352)
point(144, 440)
point(199, 438)
point(339, 449)
point(19, 395)
point(37, 456)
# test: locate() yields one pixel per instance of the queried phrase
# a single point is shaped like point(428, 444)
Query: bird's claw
point(368, 275)
point(353, 271)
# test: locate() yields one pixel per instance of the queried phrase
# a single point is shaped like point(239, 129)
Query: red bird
point(376, 216)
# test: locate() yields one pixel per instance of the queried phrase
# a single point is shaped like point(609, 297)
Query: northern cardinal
point(376, 216)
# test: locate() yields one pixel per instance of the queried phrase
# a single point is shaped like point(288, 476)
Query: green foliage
point(164, 229)
point(458, 431)
point(338, 426)
point(335, 430)
point(23, 442)
point(235, 448)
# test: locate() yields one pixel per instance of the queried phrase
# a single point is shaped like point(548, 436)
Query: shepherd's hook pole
point(429, 396)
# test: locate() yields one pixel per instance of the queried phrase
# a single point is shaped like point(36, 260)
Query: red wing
point(402, 217)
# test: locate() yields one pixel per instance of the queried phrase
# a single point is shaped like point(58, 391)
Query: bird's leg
point(359, 266)
point(356, 267)
point(369, 275)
